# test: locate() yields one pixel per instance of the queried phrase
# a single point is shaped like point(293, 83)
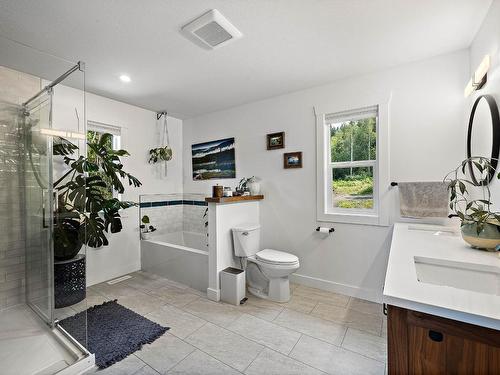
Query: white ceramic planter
point(254, 188)
point(146, 235)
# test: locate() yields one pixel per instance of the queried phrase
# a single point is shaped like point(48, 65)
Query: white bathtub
point(178, 256)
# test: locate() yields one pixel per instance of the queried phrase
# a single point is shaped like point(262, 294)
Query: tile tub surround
point(260, 337)
point(15, 87)
point(175, 212)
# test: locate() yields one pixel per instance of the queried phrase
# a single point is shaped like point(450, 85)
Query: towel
point(423, 199)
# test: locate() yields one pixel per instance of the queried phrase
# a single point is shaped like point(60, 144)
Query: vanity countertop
point(442, 246)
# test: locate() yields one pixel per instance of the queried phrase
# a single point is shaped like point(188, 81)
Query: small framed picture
point(292, 160)
point(275, 141)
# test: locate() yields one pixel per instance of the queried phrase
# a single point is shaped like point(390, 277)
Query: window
point(349, 165)
point(353, 159)
point(94, 132)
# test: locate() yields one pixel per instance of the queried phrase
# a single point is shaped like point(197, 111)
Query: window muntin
point(352, 162)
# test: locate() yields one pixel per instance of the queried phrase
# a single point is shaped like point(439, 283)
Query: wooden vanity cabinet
point(425, 344)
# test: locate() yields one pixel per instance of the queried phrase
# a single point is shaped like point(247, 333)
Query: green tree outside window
point(94, 136)
point(353, 141)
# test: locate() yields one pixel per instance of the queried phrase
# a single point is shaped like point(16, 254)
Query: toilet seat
point(267, 271)
point(271, 256)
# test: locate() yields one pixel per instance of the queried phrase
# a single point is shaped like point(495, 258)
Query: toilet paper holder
point(330, 230)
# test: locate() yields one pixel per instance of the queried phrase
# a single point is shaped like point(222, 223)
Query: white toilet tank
point(246, 240)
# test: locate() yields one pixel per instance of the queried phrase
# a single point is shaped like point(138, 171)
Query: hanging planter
point(159, 154)
point(162, 154)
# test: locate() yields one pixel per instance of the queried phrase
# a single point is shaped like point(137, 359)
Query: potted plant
point(160, 154)
point(246, 185)
point(146, 229)
point(253, 185)
point(85, 209)
point(163, 153)
point(480, 225)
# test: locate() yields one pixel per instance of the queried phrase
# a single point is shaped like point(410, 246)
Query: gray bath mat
point(113, 331)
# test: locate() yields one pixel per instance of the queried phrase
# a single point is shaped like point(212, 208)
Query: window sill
point(359, 219)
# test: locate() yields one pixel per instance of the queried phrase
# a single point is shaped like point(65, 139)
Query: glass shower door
point(39, 201)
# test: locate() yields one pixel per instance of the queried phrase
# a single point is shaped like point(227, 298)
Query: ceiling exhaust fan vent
point(211, 30)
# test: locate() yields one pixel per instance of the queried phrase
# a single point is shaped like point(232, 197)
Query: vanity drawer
point(425, 344)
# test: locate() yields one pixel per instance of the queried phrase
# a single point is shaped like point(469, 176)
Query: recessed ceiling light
point(125, 78)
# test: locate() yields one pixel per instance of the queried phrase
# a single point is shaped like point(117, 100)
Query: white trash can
point(232, 284)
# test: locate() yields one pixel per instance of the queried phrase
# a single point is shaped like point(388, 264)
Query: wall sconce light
point(479, 77)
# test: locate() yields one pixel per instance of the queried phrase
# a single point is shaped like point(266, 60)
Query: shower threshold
point(28, 346)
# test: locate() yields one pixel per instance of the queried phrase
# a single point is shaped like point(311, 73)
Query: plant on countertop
point(250, 184)
point(243, 184)
point(84, 214)
point(252, 179)
point(479, 224)
point(146, 228)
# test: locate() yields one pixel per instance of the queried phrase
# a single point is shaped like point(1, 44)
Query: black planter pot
point(69, 281)
point(67, 240)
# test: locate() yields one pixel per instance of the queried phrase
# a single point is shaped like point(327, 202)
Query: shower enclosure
point(36, 115)
point(40, 172)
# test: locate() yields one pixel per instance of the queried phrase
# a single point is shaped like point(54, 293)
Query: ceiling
point(287, 45)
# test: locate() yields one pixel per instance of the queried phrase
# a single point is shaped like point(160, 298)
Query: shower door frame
point(47, 204)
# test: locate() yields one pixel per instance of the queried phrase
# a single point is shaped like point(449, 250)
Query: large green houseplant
point(84, 212)
point(480, 224)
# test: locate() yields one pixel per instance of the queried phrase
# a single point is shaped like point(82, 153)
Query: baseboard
point(349, 290)
point(130, 268)
point(213, 294)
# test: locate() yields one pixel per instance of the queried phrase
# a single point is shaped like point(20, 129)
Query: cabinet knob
point(435, 336)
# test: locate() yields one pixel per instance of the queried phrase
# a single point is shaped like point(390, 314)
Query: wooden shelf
point(234, 199)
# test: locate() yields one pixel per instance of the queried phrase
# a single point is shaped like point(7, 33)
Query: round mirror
point(483, 136)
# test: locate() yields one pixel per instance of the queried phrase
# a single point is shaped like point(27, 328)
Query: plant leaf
point(61, 146)
point(93, 226)
point(461, 185)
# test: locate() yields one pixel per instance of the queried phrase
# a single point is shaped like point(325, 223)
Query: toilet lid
point(277, 257)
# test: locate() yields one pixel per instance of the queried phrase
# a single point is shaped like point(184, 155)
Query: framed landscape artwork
point(275, 141)
point(213, 160)
point(292, 160)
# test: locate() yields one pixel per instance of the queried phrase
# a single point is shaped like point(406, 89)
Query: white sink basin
point(469, 276)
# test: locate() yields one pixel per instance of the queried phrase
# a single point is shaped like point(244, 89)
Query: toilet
point(267, 270)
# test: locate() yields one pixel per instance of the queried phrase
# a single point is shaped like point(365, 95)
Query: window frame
point(379, 215)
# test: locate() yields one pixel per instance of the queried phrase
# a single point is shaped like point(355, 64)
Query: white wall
point(427, 139)
point(140, 132)
point(222, 217)
point(487, 41)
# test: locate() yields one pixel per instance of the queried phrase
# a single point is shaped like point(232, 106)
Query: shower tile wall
point(15, 87)
point(171, 213)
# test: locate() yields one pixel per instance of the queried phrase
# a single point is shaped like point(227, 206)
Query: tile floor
point(316, 332)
